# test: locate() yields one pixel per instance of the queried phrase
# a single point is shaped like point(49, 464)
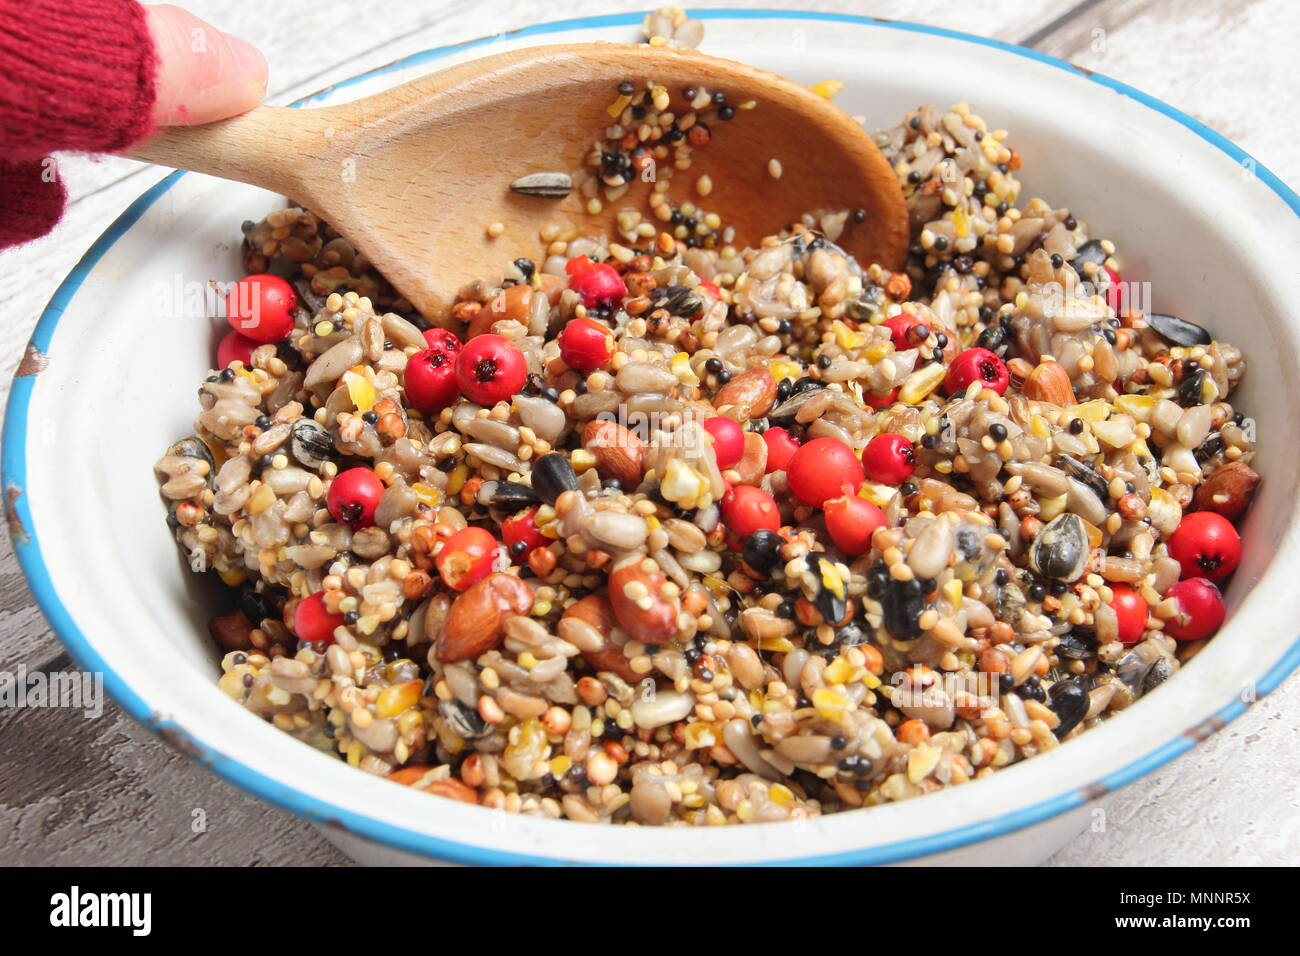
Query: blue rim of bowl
point(27, 547)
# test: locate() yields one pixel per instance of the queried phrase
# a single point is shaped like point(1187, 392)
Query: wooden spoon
point(415, 175)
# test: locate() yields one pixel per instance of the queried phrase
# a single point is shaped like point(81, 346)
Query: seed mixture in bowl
point(664, 531)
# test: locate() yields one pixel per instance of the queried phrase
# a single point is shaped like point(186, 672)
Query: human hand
point(203, 74)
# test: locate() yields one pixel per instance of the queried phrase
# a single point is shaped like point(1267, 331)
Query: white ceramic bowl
point(1215, 235)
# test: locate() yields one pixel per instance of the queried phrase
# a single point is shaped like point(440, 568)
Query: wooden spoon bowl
point(415, 175)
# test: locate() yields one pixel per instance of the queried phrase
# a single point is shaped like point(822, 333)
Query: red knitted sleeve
point(74, 75)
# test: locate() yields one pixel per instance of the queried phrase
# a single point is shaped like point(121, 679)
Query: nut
point(452, 790)
point(587, 625)
point(513, 302)
point(1017, 371)
point(1049, 383)
point(1227, 490)
point(476, 621)
point(596, 611)
point(753, 463)
point(643, 609)
point(899, 286)
point(231, 631)
point(618, 452)
point(754, 391)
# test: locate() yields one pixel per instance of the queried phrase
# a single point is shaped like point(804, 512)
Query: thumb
point(203, 74)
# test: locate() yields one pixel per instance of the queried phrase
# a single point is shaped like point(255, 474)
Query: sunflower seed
point(544, 185)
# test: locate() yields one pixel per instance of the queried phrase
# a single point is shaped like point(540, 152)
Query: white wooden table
point(107, 792)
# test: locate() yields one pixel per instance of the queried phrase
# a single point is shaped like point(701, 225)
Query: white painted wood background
point(107, 792)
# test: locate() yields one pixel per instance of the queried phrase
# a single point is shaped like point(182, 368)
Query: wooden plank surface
point(106, 791)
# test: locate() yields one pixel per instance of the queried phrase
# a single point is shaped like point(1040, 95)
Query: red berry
point(261, 307)
point(781, 447)
point(728, 440)
point(598, 284)
point(577, 264)
point(466, 557)
point(746, 509)
point(1206, 545)
point(235, 347)
point(444, 340)
point(889, 459)
point(851, 521)
point(1130, 612)
point(1116, 293)
point(490, 369)
point(824, 468)
point(585, 344)
point(881, 401)
point(353, 497)
point(901, 331)
point(521, 535)
point(313, 623)
point(1200, 610)
point(430, 381)
point(977, 365)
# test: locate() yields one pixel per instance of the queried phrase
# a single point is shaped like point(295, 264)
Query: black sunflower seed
point(1178, 331)
point(1069, 700)
point(553, 476)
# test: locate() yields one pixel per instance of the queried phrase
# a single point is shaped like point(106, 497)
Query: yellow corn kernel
point(839, 671)
point(526, 659)
point(560, 765)
point(616, 108)
point(700, 736)
point(1139, 406)
point(680, 365)
point(846, 338)
point(1049, 508)
point(953, 592)
point(1038, 425)
point(582, 460)
point(921, 383)
point(921, 761)
point(827, 89)
point(718, 586)
point(829, 703)
point(360, 391)
point(1094, 411)
point(397, 698)
point(780, 368)
point(356, 750)
point(428, 495)
point(776, 645)
point(261, 499)
point(683, 485)
point(456, 479)
point(877, 493)
point(880, 350)
point(233, 577)
point(781, 795)
point(961, 222)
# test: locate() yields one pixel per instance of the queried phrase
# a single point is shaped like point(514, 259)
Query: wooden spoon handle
point(269, 146)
